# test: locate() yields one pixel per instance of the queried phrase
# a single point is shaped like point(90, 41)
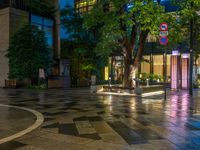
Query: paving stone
point(78, 120)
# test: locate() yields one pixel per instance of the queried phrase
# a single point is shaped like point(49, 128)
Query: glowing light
point(174, 71)
point(185, 70)
point(175, 53)
point(106, 73)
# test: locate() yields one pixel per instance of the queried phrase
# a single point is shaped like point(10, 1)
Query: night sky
point(62, 5)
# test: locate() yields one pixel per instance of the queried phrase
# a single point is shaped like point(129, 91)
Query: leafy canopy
point(28, 51)
point(80, 43)
point(121, 20)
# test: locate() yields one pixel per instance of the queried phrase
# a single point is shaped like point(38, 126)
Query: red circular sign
point(163, 26)
point(164, 40)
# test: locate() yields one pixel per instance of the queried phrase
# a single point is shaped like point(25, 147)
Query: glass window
point(45, 25)
point(49, 35)
point(158, 64)
point(48, 22)
point(36, 19)
point(145, 65)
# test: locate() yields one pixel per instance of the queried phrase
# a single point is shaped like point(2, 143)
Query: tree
point(125, 25)
point(28, 52)
point(79, 45)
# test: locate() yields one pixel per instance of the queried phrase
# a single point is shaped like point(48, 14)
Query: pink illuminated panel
point(174, 72)
point(185, 63)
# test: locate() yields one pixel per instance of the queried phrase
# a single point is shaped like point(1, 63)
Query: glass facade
point(82, 6)
point(145, 65)
point(45, 25)
point(158, 64)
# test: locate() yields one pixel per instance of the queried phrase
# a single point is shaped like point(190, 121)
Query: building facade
point(13, 15)
point(83, 6)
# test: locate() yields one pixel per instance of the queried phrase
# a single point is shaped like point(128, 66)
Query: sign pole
point(165, 73)
point(164, 41)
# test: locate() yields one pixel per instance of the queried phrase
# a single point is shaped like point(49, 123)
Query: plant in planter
point(27, 53)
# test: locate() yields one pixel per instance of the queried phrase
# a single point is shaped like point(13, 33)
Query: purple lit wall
point(175, 71)
point(185, 71)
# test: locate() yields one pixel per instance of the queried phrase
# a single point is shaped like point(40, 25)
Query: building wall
point(4, 42)
point(18, 18)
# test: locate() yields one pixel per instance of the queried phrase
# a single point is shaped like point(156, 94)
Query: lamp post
point(191, 54)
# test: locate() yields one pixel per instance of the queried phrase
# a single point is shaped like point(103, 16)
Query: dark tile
point(129, 135)
point(101, 112)
point(68, 129)
point(95, 118)
point(188, 146)
point(11, 145)
point(99, 106)
point(53, 114)
point(83, 118)
point(148, 134)
point(48, 119)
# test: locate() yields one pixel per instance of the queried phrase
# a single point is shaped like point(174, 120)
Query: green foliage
point(28, 51)
point(151, 77)
point(116, 25)
point(79, 47)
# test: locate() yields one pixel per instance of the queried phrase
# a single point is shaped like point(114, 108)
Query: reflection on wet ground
point(79, 120)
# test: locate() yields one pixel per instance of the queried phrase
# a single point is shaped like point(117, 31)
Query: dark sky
point(62, 5)
point(63, 2)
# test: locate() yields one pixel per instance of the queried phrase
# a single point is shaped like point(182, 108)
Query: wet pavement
point(14, 120)
point(78, 120)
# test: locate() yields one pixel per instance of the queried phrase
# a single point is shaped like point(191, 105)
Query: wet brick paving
point(78, 120)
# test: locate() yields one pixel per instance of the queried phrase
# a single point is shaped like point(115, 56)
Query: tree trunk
point(130, 69)
point(127, 71)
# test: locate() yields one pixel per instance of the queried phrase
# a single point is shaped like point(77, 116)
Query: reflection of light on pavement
point(173, 106)
point(152, 93)
point(110, 100)
point(179, 109)
point(133, 104)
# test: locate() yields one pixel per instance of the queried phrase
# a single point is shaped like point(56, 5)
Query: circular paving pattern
point(17, 121)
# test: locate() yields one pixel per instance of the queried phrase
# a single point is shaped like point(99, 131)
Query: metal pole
point(191, 55)
point(165, 74)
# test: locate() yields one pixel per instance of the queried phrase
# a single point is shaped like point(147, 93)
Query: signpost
point(164, 41)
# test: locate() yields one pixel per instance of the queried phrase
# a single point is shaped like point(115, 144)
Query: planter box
point(10, 83)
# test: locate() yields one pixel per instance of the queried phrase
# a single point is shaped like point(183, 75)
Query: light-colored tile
point(84, 127)
point(102, 127)
point(113, 138)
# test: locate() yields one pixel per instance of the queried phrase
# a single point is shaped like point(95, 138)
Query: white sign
point(163, 26)
point(175, 53)
point(41, 73)
point(164, 33)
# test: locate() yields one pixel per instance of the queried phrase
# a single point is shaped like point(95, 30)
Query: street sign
point(163, 26)
point(164, 33)
point(164, 40)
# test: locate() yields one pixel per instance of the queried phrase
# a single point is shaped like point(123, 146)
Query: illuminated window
point(145, 65)
point(84, 5)
point(158, 64)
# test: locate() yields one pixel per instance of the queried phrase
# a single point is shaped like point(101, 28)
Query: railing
point(4, 3)
point(19, 4)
